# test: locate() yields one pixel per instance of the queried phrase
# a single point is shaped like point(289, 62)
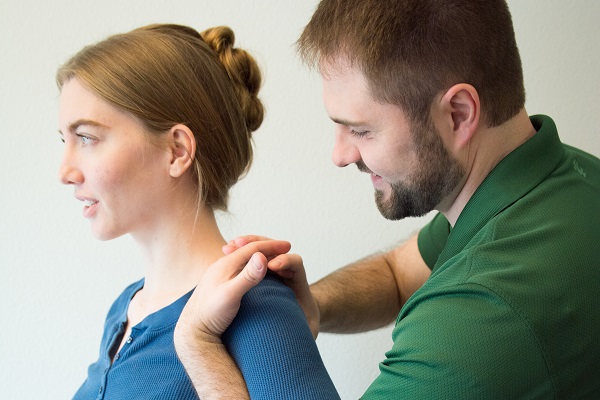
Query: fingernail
point(257, 264)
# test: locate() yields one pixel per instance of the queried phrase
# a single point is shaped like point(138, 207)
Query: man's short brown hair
point(411, 50)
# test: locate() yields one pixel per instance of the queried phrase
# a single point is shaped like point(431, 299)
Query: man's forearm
point(359, 297)
point(211, 369)
point(369, 293)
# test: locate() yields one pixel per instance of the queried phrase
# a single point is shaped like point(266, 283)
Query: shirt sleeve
point(462, 342)
point(432, 239)
point(272, 345)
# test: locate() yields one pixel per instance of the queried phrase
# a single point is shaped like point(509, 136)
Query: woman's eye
point(85, 140)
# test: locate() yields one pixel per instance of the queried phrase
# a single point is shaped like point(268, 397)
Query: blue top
point(269, 339)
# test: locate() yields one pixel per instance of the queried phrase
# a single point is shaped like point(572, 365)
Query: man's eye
point(358, 133)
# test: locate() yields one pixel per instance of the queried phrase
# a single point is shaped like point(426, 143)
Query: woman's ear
point(183, 149)
point(460, 109)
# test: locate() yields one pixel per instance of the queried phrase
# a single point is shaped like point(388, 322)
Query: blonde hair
point(166, 74)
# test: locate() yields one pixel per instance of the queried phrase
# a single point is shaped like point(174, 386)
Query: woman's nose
point(68, 173)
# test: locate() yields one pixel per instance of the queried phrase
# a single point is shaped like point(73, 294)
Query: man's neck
point(487, 148)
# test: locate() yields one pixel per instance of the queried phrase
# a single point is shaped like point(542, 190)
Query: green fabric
point(511, 310)
point(433, 238)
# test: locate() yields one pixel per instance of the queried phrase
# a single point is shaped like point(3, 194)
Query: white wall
point(57, 282)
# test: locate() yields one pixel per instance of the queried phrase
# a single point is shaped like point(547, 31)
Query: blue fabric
point(269, 339)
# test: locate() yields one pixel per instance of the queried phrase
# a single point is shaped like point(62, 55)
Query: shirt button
point(117, 356)
point(100, 391)
point(129, 339)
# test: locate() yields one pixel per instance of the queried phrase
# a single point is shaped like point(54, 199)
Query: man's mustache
point(362, 167)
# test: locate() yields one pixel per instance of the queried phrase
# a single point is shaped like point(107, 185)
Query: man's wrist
point(189, 339)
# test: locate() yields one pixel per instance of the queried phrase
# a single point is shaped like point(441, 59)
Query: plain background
point(57, 282)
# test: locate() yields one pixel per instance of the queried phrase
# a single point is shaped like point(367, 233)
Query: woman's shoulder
point(270, 289)
point(274, 348)
point(122, 301)
point(268, 305)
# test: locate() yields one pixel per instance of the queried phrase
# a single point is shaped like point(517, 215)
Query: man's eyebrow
point(81, 122)
point(345, 122)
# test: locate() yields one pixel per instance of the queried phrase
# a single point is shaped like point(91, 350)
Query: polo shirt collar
point(514, 176)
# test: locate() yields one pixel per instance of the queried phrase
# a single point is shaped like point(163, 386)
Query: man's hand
point(210, 310)
point(216, 300)
point(290, 269)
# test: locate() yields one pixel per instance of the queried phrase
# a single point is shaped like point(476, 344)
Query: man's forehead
point(338, 65)
point(344, 94)
point(348, 99)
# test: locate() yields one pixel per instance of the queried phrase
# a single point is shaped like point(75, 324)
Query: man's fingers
point(270, 248)
point(255, 270)
point(252, 273)
point(229, 248)
point(241, 241)
point(286, 265)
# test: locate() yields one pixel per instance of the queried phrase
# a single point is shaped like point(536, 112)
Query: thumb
point(252, 274)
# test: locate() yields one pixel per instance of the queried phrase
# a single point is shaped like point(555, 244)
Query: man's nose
point(344, 151)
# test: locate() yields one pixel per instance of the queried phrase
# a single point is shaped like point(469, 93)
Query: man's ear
point(461, 111)
point(183, 149)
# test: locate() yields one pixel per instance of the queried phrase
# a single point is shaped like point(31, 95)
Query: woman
point(157, 127)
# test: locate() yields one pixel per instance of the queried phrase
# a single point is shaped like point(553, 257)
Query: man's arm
point(210, 310)
point(369, 293)
point(211, 369)
point(362, 296)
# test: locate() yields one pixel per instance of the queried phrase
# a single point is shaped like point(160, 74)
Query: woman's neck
point(178, 250)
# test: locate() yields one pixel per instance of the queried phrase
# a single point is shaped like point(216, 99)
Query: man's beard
point(437, 176)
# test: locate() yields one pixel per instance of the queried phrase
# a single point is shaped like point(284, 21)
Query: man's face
point(411, 170)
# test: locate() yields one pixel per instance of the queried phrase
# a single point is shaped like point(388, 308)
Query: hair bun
point(219, 38)
point(243, 71)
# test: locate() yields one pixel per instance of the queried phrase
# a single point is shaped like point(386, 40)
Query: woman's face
point(119, 175)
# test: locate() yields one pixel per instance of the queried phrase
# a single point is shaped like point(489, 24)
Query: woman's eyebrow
point(81, 122)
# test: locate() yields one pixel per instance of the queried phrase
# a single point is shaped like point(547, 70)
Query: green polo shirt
point(512, 307)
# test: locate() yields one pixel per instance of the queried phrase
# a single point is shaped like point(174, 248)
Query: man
point(497, 296)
